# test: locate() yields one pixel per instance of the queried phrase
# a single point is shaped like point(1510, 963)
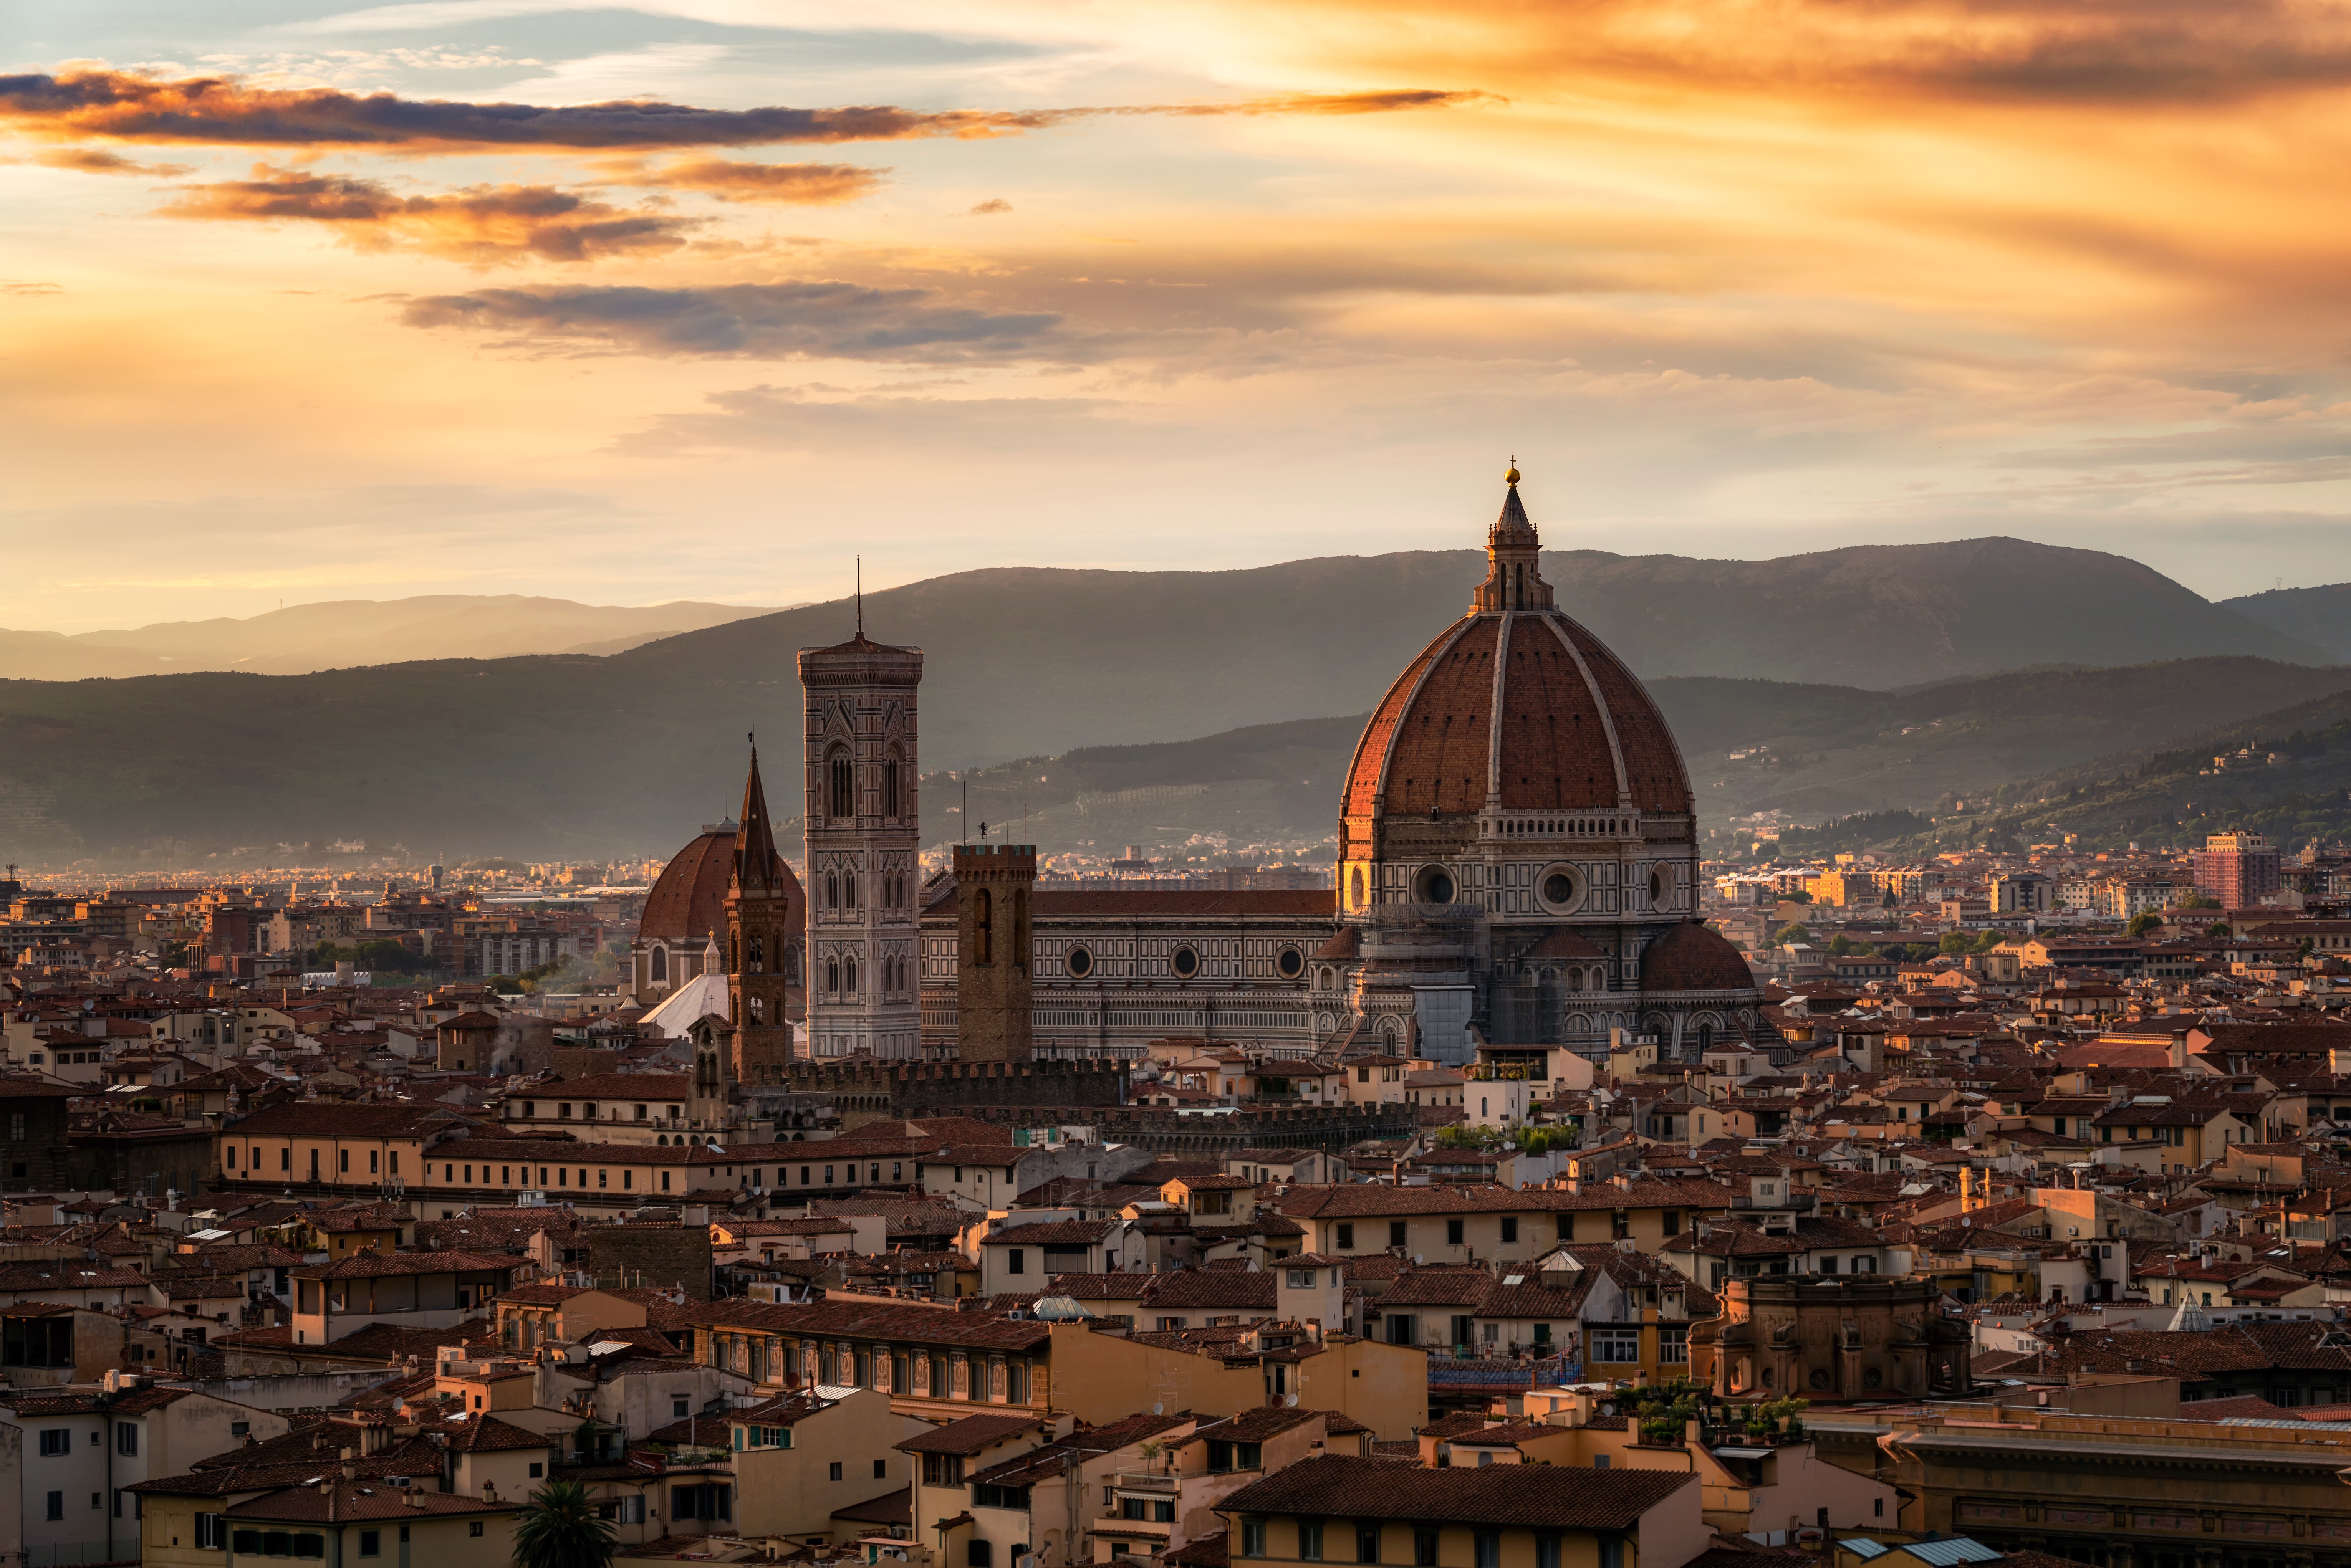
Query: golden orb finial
point(1510, 476)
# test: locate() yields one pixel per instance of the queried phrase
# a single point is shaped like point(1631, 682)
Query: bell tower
point(762, 958)
point(864, 841)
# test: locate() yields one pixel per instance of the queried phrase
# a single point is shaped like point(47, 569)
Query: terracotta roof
point(610, 1087)
point(382, 1265)
point(1539, 1496)
point(1691, 956)
point(968, 1436)
point(688, 902)
point(358, 1500)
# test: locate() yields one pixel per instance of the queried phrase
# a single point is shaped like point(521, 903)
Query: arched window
point(893, 805)
point(849, 976)
point(1519, 588)
point(757, 1009)
point(1356, 888)
point(831, 891)
point(792, 966)
point(1705, 1037)
point(849, 890)
point(983, 933)
point(841, 786)
point(661, 964)
point(832, 975)
point(759, 956)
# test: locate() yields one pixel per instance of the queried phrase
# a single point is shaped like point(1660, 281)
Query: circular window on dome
point(1081, 962)
point(1560, 889)
point(1291, 965)
point(1185, 962)
point(1434, 885)
point(1657, 887)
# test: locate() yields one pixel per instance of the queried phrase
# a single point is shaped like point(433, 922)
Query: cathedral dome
point(688, 903)
point(1518, 705)
point(1691, 956)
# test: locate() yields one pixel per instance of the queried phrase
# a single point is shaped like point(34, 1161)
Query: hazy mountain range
point(336, 635)
point(1826, 659)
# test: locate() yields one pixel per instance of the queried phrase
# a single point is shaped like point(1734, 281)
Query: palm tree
point(560, 1530)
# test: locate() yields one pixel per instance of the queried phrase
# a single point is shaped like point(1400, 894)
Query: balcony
point(1146, 1481)
point(1793, 1203)
point(1501, 1372)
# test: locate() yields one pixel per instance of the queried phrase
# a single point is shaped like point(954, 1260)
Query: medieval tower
point(863, 838)
point(994, 985)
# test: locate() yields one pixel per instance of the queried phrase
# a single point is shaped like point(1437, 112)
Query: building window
point(371, 1543)
point(841, 791)
point(1310, 1539)
point(979, 1554)
point(1424, 1547)
point(56, 1440)
point(1396, 1232)
point(1367, 1544)
point(1016, 1260)
point(1509, 1228)
point(1453, 1233)
point(126, 1439)
point(1346, 1238)
point(1546, 1552)
point(1616, 1344)
point(1490, 1549)
point(1252, 1536)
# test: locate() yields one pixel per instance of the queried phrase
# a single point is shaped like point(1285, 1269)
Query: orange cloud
point(97, 161)
point(804, 184)
point(483, 225)
point(123, 106)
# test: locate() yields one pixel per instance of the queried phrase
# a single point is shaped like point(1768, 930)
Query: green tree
point(2141, 923)
point(1840, 943)
point(2217, 928)
point(1791, 932)
point(558, 1529)
point(1958, 942)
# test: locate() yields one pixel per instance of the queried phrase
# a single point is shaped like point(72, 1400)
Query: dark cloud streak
point(754, 320)
point(123, 106)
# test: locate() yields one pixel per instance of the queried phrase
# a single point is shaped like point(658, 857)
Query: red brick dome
point(688, 903)
point(1578, 730)
point(1691, 956)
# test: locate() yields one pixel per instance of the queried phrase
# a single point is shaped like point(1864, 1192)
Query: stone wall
point(657, 1253)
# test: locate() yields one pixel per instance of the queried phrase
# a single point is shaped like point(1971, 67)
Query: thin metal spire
point(861, 596)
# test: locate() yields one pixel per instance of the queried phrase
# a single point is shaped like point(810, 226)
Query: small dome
point(688, 904)
point(1691, 956)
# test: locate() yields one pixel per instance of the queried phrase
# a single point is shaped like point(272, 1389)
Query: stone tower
point(763, 958)
point(863, 844)
point(993, 996)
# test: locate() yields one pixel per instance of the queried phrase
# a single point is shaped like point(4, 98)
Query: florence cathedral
point(1517, 872)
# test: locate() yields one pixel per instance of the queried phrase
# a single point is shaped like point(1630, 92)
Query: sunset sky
point(697, 299)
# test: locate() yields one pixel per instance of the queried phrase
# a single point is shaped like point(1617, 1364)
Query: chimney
point(2179, 1050)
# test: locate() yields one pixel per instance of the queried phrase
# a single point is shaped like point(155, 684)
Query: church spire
point(754, 839)
point(1513, 559)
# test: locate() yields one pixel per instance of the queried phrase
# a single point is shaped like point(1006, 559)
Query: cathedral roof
point(1690, 956)
point(688, 903)
point(1519, 705)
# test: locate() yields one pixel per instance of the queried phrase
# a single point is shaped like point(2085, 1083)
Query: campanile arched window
point(893, 805)
point(840, 784)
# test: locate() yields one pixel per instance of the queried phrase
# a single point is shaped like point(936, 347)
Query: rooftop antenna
point(861, 596)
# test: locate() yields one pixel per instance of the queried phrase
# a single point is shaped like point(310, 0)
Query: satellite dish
point(1160, 1409)
point(1416, 1259)
point(1291, 1402)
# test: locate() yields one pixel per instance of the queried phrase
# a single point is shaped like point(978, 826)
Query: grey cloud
point(753, 321)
